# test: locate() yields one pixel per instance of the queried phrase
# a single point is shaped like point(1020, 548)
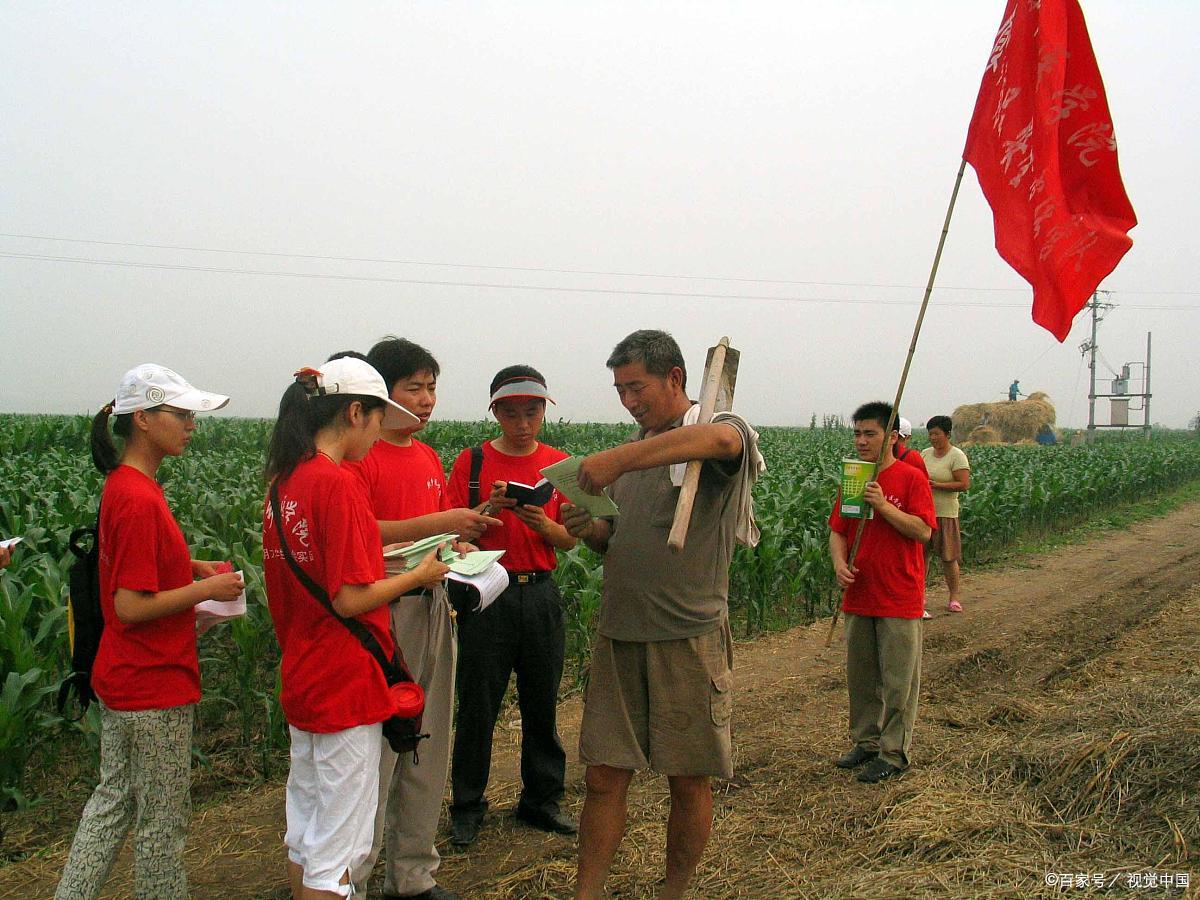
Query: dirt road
point(1059, 733)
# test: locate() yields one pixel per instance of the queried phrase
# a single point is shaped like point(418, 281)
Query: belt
point(528, 577)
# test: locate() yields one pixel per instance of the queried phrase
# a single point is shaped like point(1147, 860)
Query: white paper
point(490, 583)
point(564, 475)
point(220, 610)
point(11, 542)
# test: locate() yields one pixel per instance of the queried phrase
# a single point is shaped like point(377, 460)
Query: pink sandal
point(954, 606)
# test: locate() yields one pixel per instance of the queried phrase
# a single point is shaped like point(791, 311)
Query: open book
point(564, 475)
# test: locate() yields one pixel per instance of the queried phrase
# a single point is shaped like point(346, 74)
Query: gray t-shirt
point(650, 592)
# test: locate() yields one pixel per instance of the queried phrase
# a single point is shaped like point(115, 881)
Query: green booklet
point(855, 475)
point(470, 563)
point(564, 475)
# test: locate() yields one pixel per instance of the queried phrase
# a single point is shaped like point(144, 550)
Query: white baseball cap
point(150, 385)
point(904, 427)
point(349, 375)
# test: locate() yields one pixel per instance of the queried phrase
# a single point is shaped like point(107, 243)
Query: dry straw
point(1009, 422)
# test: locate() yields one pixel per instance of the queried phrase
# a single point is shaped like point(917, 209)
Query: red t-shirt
point(913, 458)
point(527, 550)
point(891, 567)
point(330, 682)
point(402, 482)
point(147, 665)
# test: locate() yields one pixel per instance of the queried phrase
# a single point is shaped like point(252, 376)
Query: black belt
point(528, 577)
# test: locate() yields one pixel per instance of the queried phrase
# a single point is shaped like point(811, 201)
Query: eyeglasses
point(183, 415)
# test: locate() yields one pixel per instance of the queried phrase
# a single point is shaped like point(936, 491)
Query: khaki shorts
point(663, 705)
point(946, 542)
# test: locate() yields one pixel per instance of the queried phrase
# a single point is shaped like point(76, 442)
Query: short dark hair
point(396, 358)
point(877, 411)
point(348, 354)
point(513, 373)
point(943, 422)
point(654, 349)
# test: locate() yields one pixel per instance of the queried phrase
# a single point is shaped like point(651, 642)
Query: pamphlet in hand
point(488, 583)
point(564, 475)
point(529, 495)
point(855, 475)
point(210, 612)
point(10, 543)
point(415, 552)
point(470, 563)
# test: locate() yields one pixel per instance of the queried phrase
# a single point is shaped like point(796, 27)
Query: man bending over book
point(661, 677)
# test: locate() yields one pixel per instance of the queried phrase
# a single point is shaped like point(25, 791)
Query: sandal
point(954, 606)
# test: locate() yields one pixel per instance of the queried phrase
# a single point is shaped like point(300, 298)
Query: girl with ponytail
point(146, 674)
point(333, 693)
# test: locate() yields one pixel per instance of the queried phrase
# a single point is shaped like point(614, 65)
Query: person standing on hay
point(949, 474)
point(659, 692)
point(883, 601)
point(1014, 391)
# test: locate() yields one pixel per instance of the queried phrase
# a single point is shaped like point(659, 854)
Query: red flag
point(1041, 141)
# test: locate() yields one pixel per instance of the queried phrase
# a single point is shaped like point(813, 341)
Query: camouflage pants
point(145, 770)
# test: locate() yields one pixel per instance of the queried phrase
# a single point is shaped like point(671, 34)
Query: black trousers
point(521, 631)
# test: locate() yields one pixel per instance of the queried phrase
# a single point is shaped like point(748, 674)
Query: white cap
point(150, 385)
point(904, 427)
point(349, 375)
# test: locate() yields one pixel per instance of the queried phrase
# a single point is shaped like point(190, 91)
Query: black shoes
point(555, 821)
point(855, 757)
point(464, 830)
point(877, 770)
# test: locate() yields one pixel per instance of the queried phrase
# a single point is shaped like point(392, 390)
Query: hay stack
point(1019, 420)
point(981, 434)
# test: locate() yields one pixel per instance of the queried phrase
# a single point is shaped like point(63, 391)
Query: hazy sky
point(775, 172)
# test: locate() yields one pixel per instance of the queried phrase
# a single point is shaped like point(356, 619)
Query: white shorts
point(332, 790)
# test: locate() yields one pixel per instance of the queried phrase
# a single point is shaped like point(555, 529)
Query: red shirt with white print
point(891, 568)
point(330, 682)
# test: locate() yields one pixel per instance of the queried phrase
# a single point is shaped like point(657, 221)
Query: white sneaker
point(925, 614)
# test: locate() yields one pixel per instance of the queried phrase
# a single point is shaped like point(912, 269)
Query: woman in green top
point(949, 473)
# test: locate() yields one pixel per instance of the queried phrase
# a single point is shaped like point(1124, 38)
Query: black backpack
point(85, 620)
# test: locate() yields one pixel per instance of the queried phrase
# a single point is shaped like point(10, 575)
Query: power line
point(500, 268)
point(423, 282)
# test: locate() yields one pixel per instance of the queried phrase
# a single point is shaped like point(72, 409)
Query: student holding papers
point(406, 487)
point(146, 673)
point(322, 555)
point(523, 629)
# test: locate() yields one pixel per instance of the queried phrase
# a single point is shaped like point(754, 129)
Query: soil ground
point(1059, 734)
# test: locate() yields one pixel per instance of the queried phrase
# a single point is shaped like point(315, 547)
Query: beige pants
point(145, 779)
point(410, 796)
point(883, 677)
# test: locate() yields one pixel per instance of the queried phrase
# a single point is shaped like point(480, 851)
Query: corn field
point(48, 487)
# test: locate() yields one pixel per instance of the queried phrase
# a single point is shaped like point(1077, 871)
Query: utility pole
point(1090, 347)
point(1146, 387)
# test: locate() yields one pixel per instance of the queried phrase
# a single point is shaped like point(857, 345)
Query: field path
point(1044, 639)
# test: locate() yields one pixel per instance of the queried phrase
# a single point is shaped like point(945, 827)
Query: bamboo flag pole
point(912, 349)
